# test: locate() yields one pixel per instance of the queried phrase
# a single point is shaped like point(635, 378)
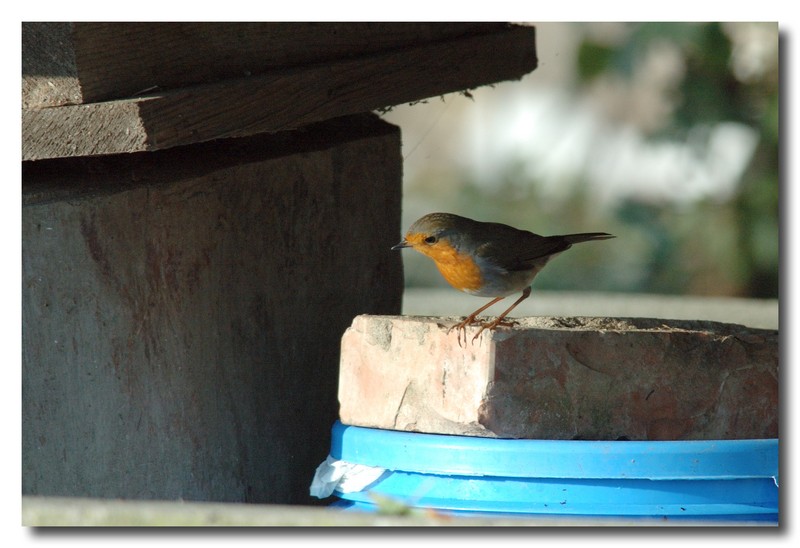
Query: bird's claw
point(461, 326)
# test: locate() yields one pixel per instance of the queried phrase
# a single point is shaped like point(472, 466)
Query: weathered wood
point(279, 100)
point(106, 61)
point(49, 73)
point(182, 310)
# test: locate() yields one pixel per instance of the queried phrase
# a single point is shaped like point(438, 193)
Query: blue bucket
point(724, 480)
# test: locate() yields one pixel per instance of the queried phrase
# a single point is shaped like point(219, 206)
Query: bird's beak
point(401, 245)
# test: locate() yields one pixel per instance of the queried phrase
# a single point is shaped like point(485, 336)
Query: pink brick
point(562, 378)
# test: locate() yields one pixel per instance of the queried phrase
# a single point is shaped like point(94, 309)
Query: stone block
point(562, 378)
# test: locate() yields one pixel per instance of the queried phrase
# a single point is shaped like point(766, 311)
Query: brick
point(562, 378)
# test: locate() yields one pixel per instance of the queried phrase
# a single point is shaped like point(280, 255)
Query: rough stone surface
point(562, 378)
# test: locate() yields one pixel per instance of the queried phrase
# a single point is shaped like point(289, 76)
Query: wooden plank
point(49, 74)
point(72, 63)
point(280, 100)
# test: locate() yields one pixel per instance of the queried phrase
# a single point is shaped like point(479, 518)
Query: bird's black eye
point(430, 240)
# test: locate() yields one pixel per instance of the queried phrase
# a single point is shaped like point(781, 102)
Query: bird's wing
point(521, 250)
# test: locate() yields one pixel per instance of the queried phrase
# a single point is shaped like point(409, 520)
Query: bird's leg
point(471, 319)
point(498, 321)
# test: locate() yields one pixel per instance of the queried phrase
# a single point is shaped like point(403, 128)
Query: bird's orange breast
point(459, 269)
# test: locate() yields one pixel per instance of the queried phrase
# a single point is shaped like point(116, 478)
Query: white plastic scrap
point(343, 476)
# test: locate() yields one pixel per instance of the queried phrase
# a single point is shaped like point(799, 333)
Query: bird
point(486, 259)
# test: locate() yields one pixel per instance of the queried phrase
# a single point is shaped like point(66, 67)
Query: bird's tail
point(586, 236)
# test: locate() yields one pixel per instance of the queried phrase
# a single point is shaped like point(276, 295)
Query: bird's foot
point(461, 327)
point(494, 324)
point(491, 325)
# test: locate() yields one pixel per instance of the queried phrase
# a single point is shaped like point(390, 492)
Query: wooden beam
point(74, 63)
point(279, 100)
point(193, 301)
point(49, 73)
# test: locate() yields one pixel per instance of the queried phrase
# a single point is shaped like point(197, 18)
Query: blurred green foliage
point(729, 248)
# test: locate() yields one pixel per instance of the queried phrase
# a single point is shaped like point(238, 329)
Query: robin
point(487, 259)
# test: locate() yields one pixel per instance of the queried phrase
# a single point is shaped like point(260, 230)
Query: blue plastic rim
point(717, 480)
